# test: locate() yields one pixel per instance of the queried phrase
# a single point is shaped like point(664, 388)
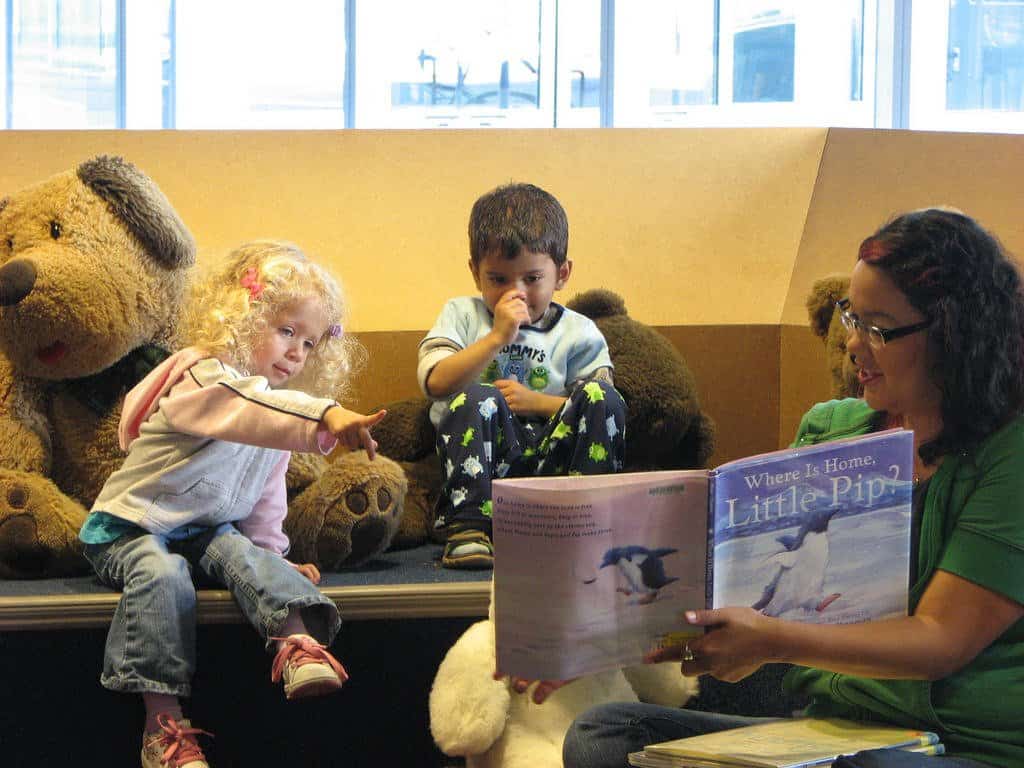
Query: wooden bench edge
point(215, 606)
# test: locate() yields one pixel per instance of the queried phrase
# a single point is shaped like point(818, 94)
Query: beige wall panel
point(867, 176)
point(390, 372)
point(737, 372)
point(804, 378)
point(690, 226)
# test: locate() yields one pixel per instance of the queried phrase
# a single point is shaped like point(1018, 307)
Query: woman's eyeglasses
point(876, 337)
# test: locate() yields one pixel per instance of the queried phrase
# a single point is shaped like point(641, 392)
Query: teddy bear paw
point(349, 514)
point(38, 528)
point(366, 514)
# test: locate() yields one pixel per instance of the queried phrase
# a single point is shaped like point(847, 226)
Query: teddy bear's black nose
point(16, 280)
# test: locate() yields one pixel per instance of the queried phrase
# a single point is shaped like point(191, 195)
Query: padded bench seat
point(408, 584)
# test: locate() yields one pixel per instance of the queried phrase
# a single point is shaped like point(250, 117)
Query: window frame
point(897, 38)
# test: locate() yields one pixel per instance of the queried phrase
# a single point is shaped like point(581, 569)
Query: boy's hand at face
point(509, 313)
point(353, 429)
point(524, 401)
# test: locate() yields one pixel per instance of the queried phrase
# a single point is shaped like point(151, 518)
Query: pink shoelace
point(180, 744)
point(301, 650)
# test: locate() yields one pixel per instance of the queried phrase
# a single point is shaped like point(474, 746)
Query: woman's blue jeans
point(151, 643)
point(604, 736)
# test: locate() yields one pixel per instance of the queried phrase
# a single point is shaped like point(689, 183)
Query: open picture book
point(795, 743)
point(592, 572)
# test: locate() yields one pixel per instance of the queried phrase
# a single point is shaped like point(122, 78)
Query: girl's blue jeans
point(151, 643)
point(604, 736)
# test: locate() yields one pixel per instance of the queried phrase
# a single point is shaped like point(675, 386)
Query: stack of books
point(796, 743)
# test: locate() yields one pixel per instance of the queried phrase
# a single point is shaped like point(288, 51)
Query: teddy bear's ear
point(597, 303)
point(136, 201)
point(821, 302)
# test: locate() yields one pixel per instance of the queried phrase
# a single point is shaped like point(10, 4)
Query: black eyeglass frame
point(853, 323)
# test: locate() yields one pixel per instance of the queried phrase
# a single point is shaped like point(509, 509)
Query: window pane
point(456, 63)
point(149, 64)
point(793, 62)
point(264, 64)
point(64, 64)
point(579, 63)
point(754, 62)
point(664, 59)
point(763, 45)
point(985, 66)
point(967, 68)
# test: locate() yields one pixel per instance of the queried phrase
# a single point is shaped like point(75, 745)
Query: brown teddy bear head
point(93, 267)
point(826, 325)
point(665, 426)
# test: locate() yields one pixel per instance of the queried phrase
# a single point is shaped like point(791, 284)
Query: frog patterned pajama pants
point(479, 439)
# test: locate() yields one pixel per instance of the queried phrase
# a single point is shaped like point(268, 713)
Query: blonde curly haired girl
point(209, 434)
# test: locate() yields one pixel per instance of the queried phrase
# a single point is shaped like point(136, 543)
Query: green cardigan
point(973, 526)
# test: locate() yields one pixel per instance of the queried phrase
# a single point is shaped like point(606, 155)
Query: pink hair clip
point(334, 331)
point(250, 279)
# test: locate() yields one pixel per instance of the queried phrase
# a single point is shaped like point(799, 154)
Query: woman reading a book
point(935, 322)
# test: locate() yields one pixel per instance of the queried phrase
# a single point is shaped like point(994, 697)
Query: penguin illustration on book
point(641, 568)
point(799, 581)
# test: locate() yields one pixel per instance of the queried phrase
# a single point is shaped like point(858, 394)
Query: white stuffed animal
point(472, 715)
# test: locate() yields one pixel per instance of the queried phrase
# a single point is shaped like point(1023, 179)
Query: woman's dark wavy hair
point(960, 277)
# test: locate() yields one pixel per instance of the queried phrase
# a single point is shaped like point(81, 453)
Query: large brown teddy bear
point(665, 426)
point(826, 325)
point(94, 265)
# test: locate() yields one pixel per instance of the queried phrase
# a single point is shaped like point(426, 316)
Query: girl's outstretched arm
point(211, 401)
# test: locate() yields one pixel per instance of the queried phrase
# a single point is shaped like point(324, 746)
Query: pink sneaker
point(173, 746)
point(307, 668)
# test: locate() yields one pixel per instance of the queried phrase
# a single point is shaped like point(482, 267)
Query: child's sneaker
point(468, 550)
point(173, 746)
point(307, 668)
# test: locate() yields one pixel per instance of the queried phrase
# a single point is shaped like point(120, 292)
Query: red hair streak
point(871, 250)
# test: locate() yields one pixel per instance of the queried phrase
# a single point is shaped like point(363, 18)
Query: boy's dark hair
point(957, 275)
point(517, 216)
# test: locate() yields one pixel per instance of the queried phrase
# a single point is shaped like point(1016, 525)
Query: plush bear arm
point(468, 708)
point(303, 471)
point(24, 431)
point(661, 684)
point(406, 434)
